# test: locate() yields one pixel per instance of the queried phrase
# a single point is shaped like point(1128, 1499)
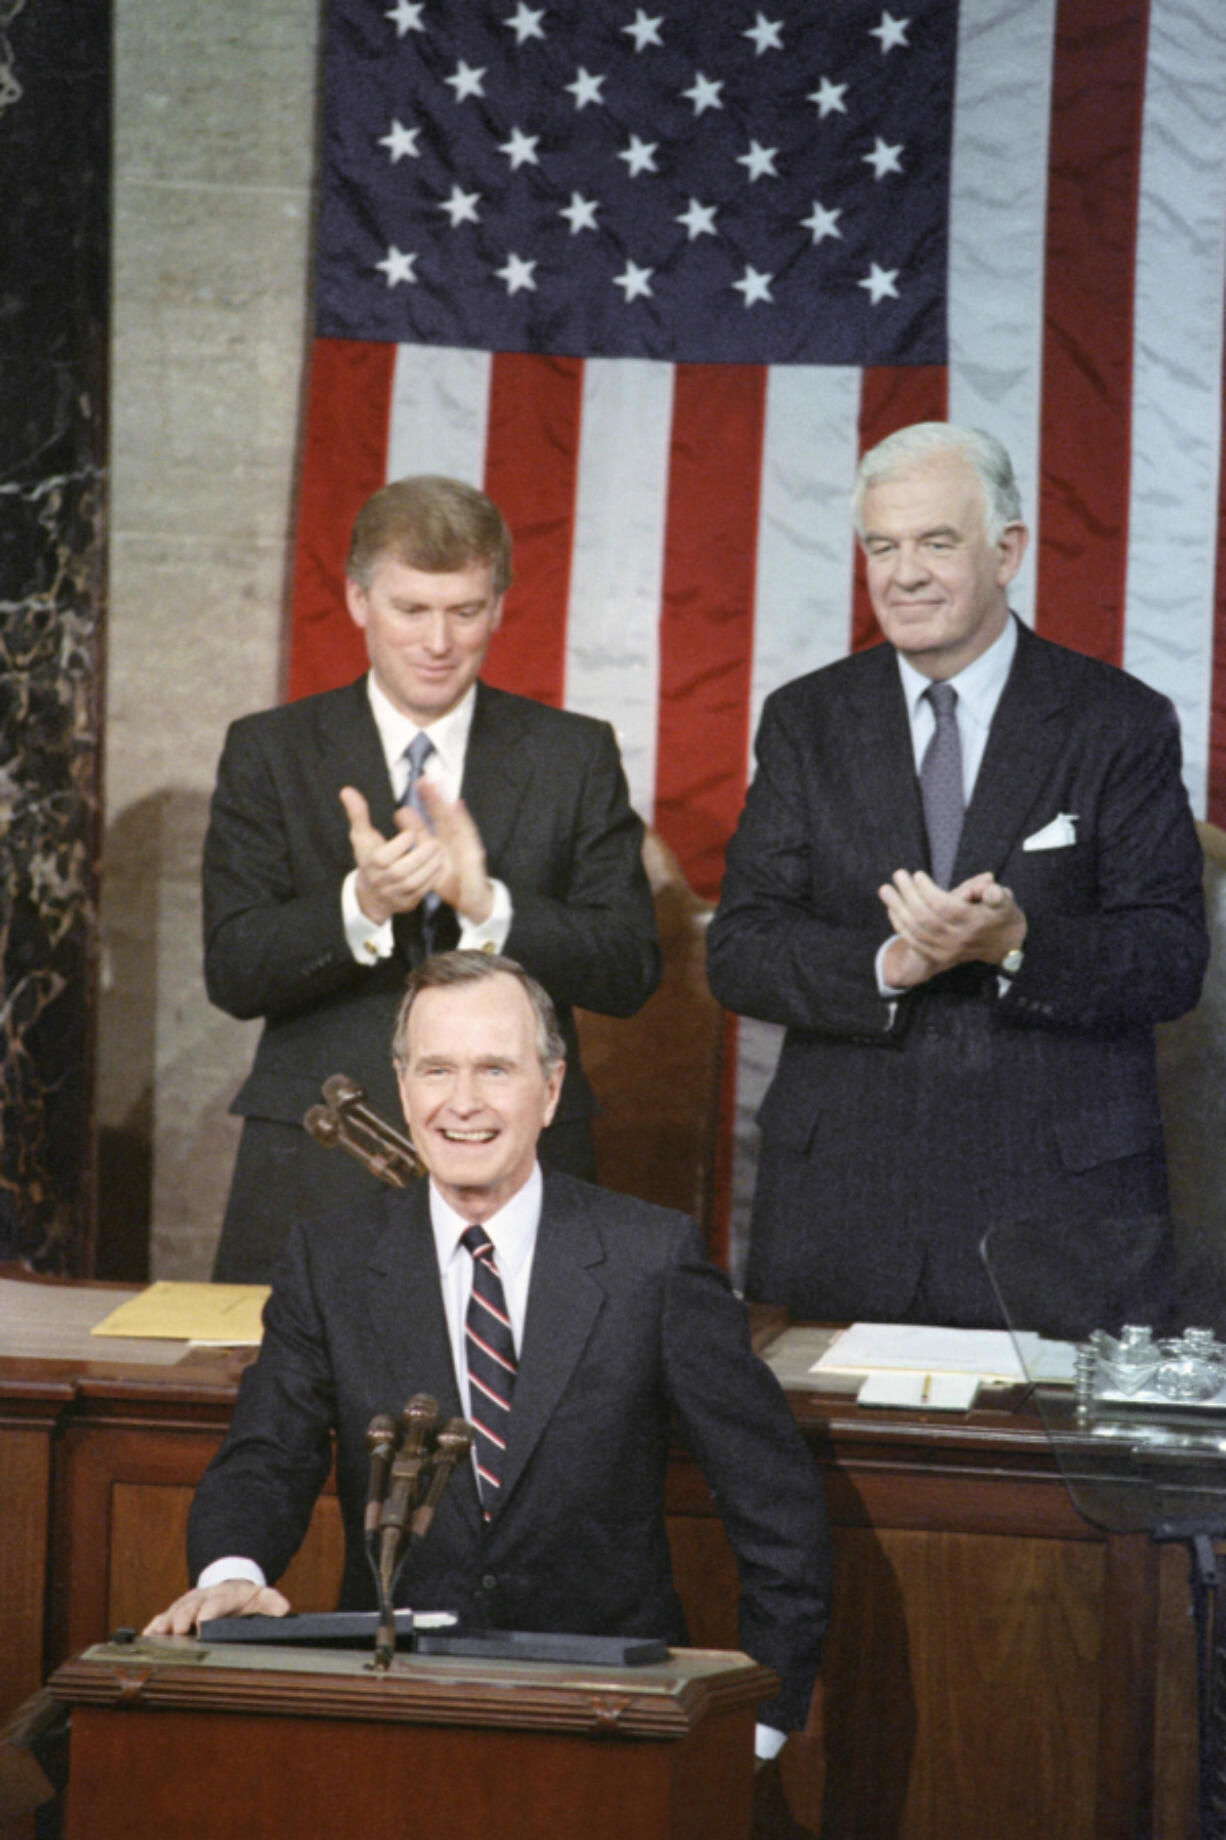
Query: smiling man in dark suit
point(414, 810)
point(967, 880)
point(617, 1329)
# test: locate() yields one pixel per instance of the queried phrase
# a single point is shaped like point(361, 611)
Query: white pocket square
point(1057, 835)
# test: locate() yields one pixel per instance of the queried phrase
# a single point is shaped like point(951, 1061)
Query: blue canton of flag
point(687, 182)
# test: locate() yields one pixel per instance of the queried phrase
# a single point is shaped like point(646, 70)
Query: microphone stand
point(411, 1464)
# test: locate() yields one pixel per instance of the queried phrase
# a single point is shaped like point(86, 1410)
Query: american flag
point(654, 276)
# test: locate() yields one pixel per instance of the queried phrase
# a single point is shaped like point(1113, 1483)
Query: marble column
point(54, 170)
point(214, 147)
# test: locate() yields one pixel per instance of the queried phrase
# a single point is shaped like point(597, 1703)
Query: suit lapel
point(497, 767)
point(1028, 733)
point(407, 1319)
point(565, 1300)
point(883, 760)
point(353, 754)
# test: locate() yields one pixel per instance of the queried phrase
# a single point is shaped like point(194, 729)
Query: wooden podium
point(173, 1737)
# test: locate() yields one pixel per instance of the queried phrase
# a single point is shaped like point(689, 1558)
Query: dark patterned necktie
point(941, 783)
point(490, 1352)
point(417, 754)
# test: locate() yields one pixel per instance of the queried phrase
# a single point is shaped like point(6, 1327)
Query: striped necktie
point(490, 1352)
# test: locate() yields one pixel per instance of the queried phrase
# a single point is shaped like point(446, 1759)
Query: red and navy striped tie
point(490, 1350)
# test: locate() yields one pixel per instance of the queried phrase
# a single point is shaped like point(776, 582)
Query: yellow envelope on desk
point(228, 1315)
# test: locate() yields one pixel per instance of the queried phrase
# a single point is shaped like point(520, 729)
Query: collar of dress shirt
point(979, 685)
point(513, 1232)
point(449, 735)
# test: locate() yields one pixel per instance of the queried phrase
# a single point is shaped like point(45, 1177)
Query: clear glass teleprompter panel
point(1138, 1421)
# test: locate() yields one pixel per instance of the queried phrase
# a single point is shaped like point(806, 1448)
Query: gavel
point(346, 1120)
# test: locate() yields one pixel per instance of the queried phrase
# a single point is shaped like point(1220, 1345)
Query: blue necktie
point(417, 754)
point(489, 1349)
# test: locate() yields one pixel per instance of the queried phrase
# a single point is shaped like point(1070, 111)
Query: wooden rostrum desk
point(996, 1666)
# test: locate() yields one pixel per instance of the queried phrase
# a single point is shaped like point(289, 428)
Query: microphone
point(382, 1437)
point(451, 1446)
point(420, 1420)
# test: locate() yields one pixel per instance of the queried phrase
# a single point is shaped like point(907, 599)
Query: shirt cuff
point(367, 941)
point(884, 989)
point(767, 1741)
point(223, 1570)
point(490, 934)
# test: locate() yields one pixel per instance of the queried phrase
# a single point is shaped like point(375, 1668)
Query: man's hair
point(447, 970)
point(430, 523)
point(987, 458)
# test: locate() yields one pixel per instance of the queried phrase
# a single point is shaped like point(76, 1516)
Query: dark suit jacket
point(891, 1143)
point(548, 795)
point(627, 1324)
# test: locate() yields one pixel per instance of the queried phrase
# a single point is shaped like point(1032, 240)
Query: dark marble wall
point(54, 246)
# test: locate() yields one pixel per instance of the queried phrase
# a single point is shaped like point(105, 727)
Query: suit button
point(489, 1582)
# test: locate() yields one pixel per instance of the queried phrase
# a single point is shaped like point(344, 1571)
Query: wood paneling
point(25, 1482)
point(162, 1746)
point(961, 1674)
point(148, 1568)
point(996, 1666)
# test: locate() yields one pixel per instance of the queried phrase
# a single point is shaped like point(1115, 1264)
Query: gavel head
point(324, 1126)
point(340, 1090)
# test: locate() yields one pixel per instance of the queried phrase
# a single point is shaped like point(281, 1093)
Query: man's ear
point(355, 600)
point(402, 1087)
point(1011, 547)
point(496, 619)
point(553, 1089)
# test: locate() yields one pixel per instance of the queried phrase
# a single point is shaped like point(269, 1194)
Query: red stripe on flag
point(532, 456)
point(1098, 89)
point(344, 461)
point(889, 399)
point(1217, 711)
point(707, 612)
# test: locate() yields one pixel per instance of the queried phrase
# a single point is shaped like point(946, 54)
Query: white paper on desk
point(917, 1348)
point(921, 1392)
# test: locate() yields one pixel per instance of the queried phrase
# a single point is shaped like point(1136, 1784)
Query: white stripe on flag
point(439, 413)
point(613, 612)
point(805, 558)
point(805, 551)
point(998, 210)
point(1177, 370)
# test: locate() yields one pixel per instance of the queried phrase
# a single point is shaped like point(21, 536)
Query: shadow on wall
point(168, 1063)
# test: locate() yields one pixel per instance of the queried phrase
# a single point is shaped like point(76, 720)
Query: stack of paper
point(913, 1364)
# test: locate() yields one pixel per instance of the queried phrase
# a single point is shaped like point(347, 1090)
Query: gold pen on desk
point(927, 1389)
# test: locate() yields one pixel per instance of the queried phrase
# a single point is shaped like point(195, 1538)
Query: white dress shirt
point(512, 1231)
point(445, 768)
point(979, 688)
